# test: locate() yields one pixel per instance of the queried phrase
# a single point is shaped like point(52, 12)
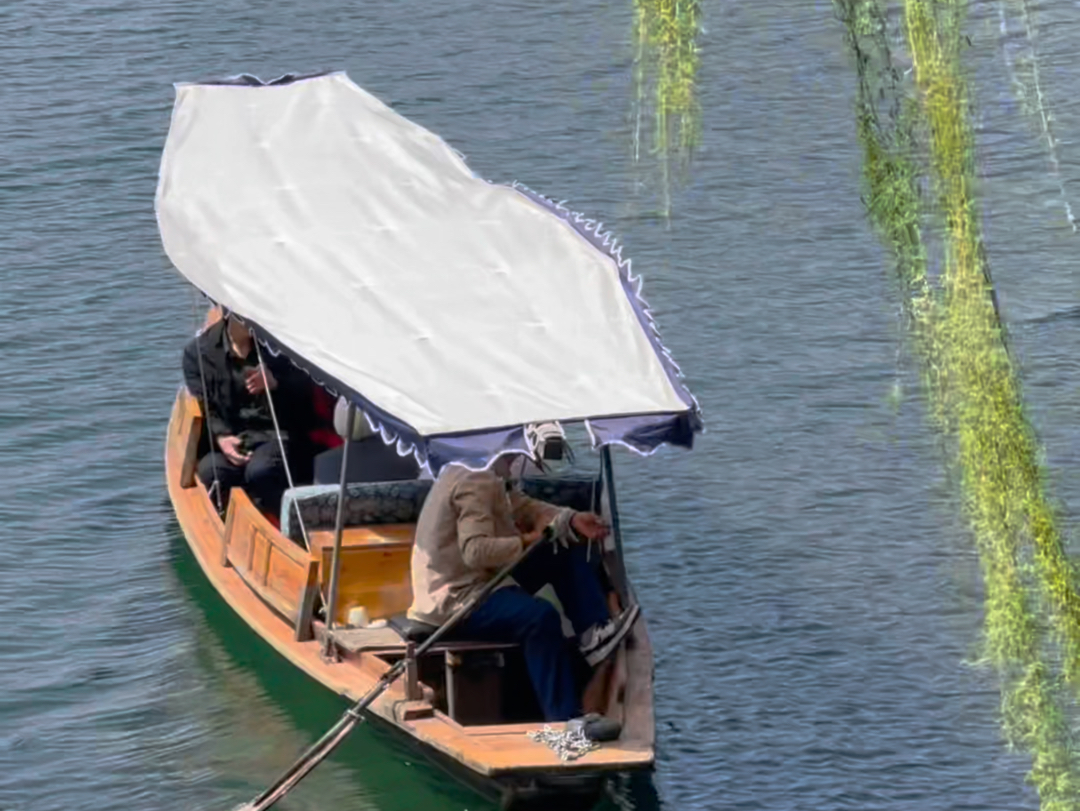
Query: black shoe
point(595, 727)
point(598, 643)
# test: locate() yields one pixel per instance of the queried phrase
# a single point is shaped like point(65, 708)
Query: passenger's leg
point(511, 615)
point(264, 477)
point(574, 580)
point(228, 475)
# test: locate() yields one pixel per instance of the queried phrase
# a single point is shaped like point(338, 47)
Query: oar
point(339, 731)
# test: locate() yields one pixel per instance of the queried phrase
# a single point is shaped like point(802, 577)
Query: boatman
point(472, 524)
point(221, 369)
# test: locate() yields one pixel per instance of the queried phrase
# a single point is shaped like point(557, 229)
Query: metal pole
point(339, 523)
point(616, 532)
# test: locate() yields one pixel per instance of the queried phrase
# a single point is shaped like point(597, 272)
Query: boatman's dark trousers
point(513, 614)
point(263, 477)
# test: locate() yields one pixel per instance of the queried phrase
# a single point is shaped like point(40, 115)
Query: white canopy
point(366, 247)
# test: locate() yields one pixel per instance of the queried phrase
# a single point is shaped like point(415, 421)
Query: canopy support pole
point(626, 594)
point(339, 522)
point(277, 431)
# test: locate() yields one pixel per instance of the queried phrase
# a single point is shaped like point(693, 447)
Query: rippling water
point(814, 599)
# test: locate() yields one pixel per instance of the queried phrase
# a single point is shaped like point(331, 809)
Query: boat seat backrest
point(577, 492)
point(365, 503)
point(399, 502)
point(377, 577)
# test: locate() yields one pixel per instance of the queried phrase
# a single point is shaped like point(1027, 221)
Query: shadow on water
point(383, 768)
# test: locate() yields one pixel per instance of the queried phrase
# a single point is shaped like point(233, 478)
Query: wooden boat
point(273, 584)
point(466, 705)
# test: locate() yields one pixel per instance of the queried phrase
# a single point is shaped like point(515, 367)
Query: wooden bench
point(473, 694)
point(185, 442)
point(276, 569)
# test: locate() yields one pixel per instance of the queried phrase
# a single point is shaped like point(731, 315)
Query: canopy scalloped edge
point(644, 434)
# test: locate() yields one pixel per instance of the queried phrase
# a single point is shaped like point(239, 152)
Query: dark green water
point(813, 597)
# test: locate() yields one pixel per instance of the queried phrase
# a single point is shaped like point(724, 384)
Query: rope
point(215, 489)
point(569, 744)
point(281, 442)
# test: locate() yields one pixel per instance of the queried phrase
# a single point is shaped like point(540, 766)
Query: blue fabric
point(512, 614)
point(573, 578)
point(646, 433)
point(365, 503)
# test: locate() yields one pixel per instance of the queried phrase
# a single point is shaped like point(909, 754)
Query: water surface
point(813, 596)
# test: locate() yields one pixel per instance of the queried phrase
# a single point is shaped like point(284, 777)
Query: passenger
point(246, 451)
point(471, 525)
point(370, 459)
point(322, 433)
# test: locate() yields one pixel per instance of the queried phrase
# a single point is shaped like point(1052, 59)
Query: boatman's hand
point(534, 535)
point(230, 448)
point(589, 526)
point(253, 380)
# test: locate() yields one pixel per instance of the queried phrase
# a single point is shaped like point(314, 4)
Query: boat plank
point(273, 566)
point(506, 753)
point(363, 536)
point(203, 529)
point(639, 722)
point(377, 577)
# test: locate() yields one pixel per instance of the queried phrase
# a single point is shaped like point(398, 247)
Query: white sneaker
point(598, 642)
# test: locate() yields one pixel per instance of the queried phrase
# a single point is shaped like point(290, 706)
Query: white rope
point(281, 442)
point(215, 490)
point(569, 743)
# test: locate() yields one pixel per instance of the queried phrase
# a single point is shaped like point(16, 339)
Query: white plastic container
point(358, 617)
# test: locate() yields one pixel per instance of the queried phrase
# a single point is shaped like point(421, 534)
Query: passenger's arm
point(569, 525)
point(533, 515)
point(480, 547)
point(293, 395)
point(193, 379)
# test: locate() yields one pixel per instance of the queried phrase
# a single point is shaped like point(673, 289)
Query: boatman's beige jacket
point(469, 528)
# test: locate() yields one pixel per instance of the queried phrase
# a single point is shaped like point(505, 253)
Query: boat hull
point(270, 583)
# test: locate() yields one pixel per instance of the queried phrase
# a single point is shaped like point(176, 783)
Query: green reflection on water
point(265, 712)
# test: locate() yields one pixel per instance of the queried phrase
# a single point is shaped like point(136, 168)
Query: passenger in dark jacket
point(246, 451)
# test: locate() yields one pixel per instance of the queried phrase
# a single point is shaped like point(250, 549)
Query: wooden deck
point(272, 584)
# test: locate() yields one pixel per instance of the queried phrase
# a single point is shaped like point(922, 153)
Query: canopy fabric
point(361, 245)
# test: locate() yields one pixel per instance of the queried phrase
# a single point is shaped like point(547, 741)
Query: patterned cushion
point(365, 503)
point(400, 502)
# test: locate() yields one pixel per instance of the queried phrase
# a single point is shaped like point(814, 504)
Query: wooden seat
point(363, 536)
point(387, 640)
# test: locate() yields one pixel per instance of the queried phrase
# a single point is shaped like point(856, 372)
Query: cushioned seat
point(399, 502)
point(416, 631)
point(409, 629)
